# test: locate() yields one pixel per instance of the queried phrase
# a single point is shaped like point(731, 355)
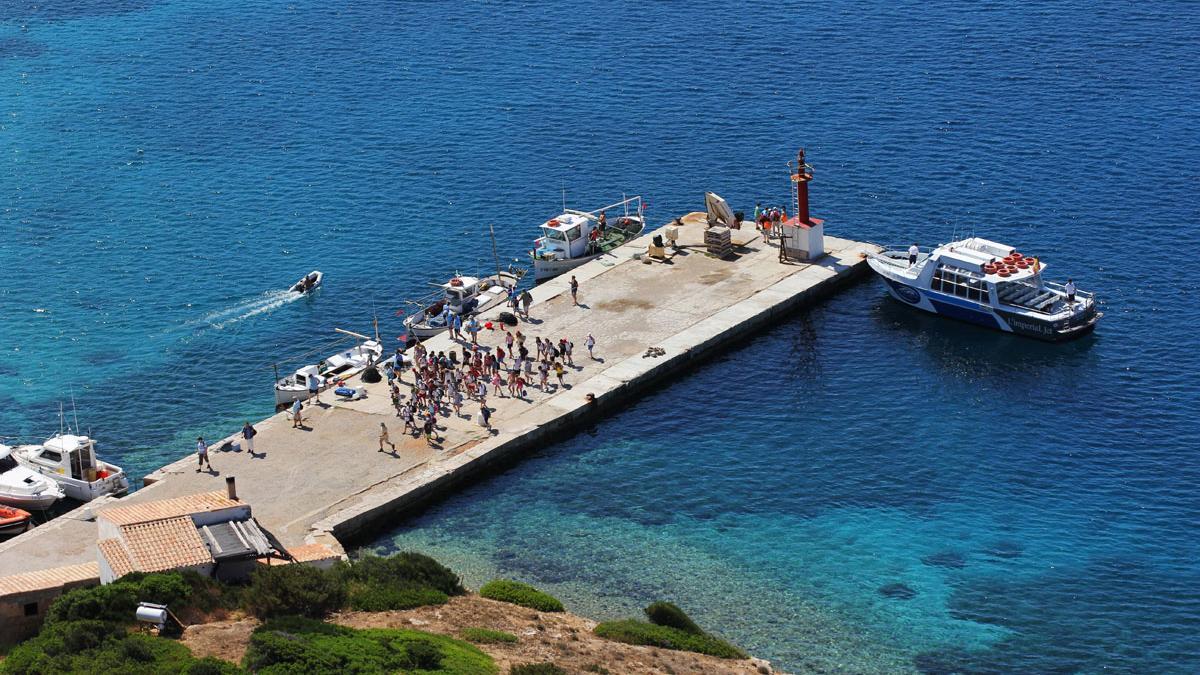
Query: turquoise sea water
point(166, 167)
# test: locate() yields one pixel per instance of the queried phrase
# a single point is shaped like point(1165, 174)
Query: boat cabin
point(71, 456)
point(460, 292)
point(566, 236)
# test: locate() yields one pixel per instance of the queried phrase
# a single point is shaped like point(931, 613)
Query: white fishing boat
point(986, 283)
point(341, 365)
point(573, 238)
point(23, 487)
point(308, 282)
point(70, 461)
point(463, 296)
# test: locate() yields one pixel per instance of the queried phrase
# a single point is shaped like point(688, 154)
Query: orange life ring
point(456, 282)
point(1004, 273)
point(1023, 264)
point(553, 222)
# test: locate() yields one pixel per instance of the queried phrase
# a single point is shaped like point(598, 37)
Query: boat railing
point(1062, 288)
point(903, 248)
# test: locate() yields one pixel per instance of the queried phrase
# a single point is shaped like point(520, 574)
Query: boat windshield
point(556, 235)
point(7, 463)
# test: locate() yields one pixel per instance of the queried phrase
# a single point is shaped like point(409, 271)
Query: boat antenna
point(564, 195)
point(60, 418)
point(495, 255)
point(74, 410)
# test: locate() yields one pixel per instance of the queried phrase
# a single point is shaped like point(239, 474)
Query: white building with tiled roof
point(209, 533)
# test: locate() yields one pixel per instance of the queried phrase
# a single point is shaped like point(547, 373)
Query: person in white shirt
point(912, 254)
point(1070, 289)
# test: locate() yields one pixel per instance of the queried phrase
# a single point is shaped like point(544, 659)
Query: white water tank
point(149, 612)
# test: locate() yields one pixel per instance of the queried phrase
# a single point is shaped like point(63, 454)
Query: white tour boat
point(308, 282)
point(71, 462)
point(573, 238)
point(987, 283)
point(25, 488)
point(341, 365)
point(464, 296)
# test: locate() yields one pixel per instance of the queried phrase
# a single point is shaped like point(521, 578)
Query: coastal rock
point(948, 559)
point(897, 591)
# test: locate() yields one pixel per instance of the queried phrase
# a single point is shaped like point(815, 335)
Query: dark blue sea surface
point(859, 489)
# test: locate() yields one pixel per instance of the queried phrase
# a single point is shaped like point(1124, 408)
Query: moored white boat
point(71, 462)
point(573, 238)
point(462, 296)
point(24, 488)
point(343, 364)
point(990, 284)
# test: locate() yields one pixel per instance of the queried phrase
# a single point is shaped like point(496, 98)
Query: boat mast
point(74, 410)
point(60, 418)
point(495, 255)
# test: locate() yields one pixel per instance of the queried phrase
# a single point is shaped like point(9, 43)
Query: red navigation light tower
point(803, 236)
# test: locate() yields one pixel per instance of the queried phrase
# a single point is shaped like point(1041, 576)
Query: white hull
point(39, 502)
point(85, 491)
point(548, 269)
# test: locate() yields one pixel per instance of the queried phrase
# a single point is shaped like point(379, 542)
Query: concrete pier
point(328, 483)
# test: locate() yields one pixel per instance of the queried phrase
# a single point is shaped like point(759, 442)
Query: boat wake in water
point(266, 302)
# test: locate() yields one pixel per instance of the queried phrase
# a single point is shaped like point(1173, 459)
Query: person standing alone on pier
point(297, 420)
point(574, 290)
point(591, 344)
point(248, 433)
point(202, 454)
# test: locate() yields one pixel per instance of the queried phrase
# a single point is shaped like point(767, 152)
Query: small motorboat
point(13, 521)
point(987, 283)
point(71, 462)
point(308, 282)
point(23, 487)
point(339, 366)
point(464, 296)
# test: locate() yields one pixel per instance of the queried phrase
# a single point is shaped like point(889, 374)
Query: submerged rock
point(948, 559)
point(897, 591)
point(1005, 549)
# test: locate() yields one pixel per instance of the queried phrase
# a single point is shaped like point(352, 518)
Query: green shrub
point(293, 589)
point(521, 594)
point(295, 645)
point(118, 601)
point(668, 614)
point(641, 633)
point(536, 669)
point(487, 636)
point(379, 598)
point(405, 569)
point(211, 666)
point(85, 647)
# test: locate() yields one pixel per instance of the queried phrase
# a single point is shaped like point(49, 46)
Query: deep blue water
point(166, 166)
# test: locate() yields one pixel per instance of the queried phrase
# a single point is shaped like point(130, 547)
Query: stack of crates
point(718, 242)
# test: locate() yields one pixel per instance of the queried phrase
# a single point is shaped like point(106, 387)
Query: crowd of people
point(425, 384)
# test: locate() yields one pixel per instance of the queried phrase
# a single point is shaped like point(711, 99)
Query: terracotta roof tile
point(164, 545)
point(168, 508)
point(43, 580)
point(313, 552)
point(116, 555)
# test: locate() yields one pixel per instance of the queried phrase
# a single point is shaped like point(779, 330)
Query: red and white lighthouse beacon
point(803, 235)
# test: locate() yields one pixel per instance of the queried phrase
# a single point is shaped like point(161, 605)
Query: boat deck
point(328, 483)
